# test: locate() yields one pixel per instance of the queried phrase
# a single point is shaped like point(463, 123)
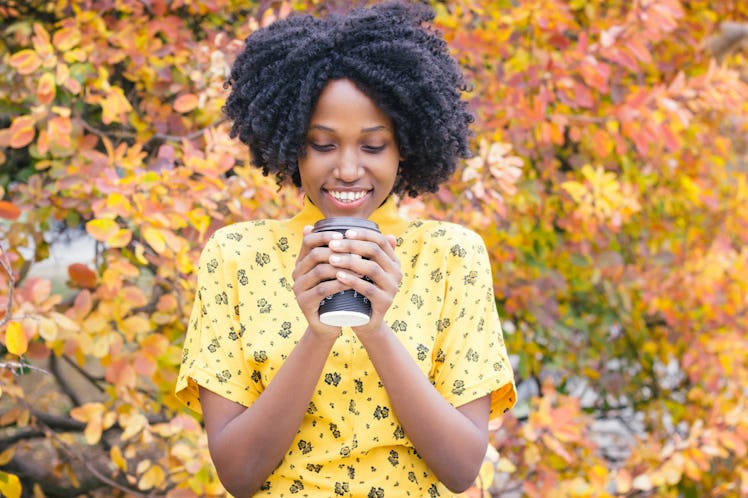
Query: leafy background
point(610, 184)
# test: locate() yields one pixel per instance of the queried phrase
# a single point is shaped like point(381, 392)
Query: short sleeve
point(470, 357)
point(212, 354)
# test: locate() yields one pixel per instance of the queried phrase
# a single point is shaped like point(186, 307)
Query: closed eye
point(373, 149)
point(321, 147)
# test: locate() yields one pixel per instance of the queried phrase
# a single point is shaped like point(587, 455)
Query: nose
point(348, 168)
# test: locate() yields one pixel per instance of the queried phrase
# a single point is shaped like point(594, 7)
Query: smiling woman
point(354, 110)
point(350, 164)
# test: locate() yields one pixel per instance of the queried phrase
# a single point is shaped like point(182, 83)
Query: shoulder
point(237, 239)
point(237, 231)
point(445, 235)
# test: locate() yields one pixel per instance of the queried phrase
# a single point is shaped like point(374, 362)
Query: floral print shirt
point(245, 322)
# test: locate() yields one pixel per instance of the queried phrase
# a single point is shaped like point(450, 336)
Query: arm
point(451, 440)
point(243, 450)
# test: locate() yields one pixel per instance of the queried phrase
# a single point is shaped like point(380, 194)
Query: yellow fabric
point(245, 322)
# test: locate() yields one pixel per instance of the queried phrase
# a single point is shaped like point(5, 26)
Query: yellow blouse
point(245, 322)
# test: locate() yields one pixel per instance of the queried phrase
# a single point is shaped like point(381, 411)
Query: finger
point(305, 279)
point(381, 298)
point(375, 260)
point(392, 240)
point(377, 248)
point(366, 268)
point(312, 296)
point(386, 242)
point(314, 250)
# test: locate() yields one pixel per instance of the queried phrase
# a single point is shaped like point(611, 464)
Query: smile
point(347, 196)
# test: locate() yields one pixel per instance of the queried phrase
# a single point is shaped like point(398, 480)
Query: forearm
point(244, 450)
point(452, 445)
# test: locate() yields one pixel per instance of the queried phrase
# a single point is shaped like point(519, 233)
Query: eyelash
point(328, 147)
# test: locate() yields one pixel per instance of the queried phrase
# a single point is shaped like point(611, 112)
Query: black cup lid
point(344, 223)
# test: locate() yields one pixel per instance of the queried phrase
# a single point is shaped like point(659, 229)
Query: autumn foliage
point(610, 184)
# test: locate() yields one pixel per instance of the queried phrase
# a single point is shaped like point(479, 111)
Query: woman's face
point(351, 155)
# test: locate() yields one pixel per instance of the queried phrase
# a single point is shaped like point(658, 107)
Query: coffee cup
point(348, 307)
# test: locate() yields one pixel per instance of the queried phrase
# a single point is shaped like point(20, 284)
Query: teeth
point(347, 196)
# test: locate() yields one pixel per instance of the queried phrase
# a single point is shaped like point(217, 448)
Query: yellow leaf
point(642, 482)
point(121, 238)
point(505, 465)
point(15, 338)
point(155, 239)
point(486, 475)
point(10, 485)
point(102, 229)
point(135, 325)
point(117, 458)
point(47, 329)
point(199, 220)
point(114, 106)
point(132, 425)
point(118, 204)
point(64, 322)
point(87, 412)
point(153, 478)
point(7, 455)
point(92, 414)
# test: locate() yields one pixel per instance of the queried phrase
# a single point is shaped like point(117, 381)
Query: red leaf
point(82, 275)
point(9, 211)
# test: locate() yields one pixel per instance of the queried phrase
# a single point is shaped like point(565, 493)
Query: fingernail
point(335, 259)
point(351, 234)
point(342, 275)
point(335, 244)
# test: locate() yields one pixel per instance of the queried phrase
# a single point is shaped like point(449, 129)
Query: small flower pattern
point(245, 322)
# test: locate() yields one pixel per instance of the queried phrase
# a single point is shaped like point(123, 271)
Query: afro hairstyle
point(389, 51)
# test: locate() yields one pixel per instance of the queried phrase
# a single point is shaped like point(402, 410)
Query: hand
point(314, 278)
point(367, 253)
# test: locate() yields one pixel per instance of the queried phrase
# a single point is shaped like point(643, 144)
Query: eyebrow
point(363, 130)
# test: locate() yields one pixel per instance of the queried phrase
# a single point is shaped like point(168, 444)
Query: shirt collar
point(386, 216)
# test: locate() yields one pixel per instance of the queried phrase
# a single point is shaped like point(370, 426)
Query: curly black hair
point(389, 51)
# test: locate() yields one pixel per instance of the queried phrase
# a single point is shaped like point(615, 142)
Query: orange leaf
point(82, 275)
point(9, 211)
point(26, 61)
point(144, 365)
point(60, 128)
point(102, 229)
point(121, 373)
point(21, 132)
point(46, 89)
point(66, 38)
point(15, 338)
point(185, 103)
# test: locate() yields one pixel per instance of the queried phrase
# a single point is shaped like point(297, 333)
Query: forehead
point(342, 102)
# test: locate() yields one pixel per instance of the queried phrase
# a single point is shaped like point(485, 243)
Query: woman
point(353, 110)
